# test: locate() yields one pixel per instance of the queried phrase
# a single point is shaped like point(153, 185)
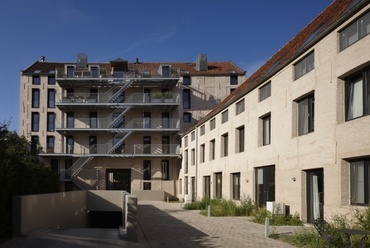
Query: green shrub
point(363, 218)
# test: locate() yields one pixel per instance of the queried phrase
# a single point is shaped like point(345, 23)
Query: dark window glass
point(306, 115)
point(36, 79)
point(186, 98)
point(51, 98)
point(51, 80)
point(35, 98)
point(51, 122)
point(147, 171)
point(35, 122)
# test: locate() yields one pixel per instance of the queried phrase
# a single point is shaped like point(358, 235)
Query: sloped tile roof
point(326, 21)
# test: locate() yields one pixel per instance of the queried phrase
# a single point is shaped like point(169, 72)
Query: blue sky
point(246, 32)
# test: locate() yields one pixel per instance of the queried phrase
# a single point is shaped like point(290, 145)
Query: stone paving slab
point(162, 225)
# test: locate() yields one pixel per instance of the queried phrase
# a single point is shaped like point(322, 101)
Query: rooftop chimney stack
point(42, 59)
point(201, 64)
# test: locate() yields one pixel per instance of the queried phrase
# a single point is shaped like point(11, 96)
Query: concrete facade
point(291, 161)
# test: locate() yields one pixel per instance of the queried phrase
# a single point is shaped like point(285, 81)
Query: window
point(224, 145)
point(192, 135)
point(186, 141)
point(118, 72)
point(93, 144)
point(186, 99)
point(224, 116)
point(166, 120)
point(70, 71)
point(202, 153)
point(202, 130)
point(50, 140)
point(69, 144)
point(212, 150)
point(70, 120)
point(306, 115)
point(51, 98)
point(35, 98)
point(218, 185)
point(240, 107)
point(166, 144)
point(233, 80)
point(266, 130)
point(51, 122)
point(354, 32)
point(212, 124)
point(186, 159)
point(264, 184)
point(187, 117)
point(94, 120)
point(193, 156)
point(35, 122)
point(147, 171)
point(240, 139)
point(94, 71)
point(236, 186)
point(147, 140)
point(165, 170)
point(180, 186)
point(34, 143)
point(207, 187)
point(51, 80)
point(146, 120)
point(265, 91)
point(360, 182)
point(186, 186)
point(36, 79)
point(358, 94)
point(304, 66)
point(186, 80)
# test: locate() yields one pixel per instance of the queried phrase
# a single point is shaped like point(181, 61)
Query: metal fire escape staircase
point(117, 117)
point(121, 137)
point(121, 88)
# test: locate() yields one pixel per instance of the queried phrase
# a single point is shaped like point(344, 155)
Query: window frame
point(302, 67)
point(212, 124)
point(235, 185)
point(212, 149)
point(35, 121)
point(240, 107)
point(264, 91)
point(35, 98)
point(356, 184)
point(240, 139)
point(165, 169)
point(224, 116)
point(51, 98)
point(186, 99)
point(225, 145)
point(186, 117)
point(358, 25)
point(202, 130)
point(309, 122)
point(202, 153)
point(266, 140)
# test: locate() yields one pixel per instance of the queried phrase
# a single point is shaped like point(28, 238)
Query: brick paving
point(162, 225)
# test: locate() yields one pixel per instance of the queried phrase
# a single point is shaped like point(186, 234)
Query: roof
point(214, 68)
point(324, 23)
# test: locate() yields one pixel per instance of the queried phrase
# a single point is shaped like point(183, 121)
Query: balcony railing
point(135, 98)
point(121, 123)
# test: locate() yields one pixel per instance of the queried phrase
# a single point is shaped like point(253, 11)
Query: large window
point(240, 139)
point(355, 31)
point(304, 66)
point(266, 130)
point(51, 122)
point(306, 115)
point(360, 182)
point(236, 185)
point(35, 98)
point(35, 119)
point(51, 98)
point(224, 145)
point(207, 187)
point(225, 116)
point(202, 153)
point(240, 107)
point(193, 156)
point(212, 150)
point(186, 99)
point(358, 94)
point(265, 91)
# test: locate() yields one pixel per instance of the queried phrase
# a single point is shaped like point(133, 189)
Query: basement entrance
point(118, 179)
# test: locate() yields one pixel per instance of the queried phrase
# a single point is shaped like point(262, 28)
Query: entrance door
point(315, 194)
point(118, 179)
point(265, 185)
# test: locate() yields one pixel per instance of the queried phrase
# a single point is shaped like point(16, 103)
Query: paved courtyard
point(162, 225)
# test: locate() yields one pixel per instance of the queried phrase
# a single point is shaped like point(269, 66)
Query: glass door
point(315, 194)
point(265, 185)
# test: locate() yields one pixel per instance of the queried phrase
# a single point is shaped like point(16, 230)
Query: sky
point(247, 32)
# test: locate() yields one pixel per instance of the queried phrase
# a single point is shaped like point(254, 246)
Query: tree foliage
point(21, 173)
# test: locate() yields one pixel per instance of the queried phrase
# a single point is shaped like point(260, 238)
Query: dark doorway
point(315, 194)
point(118, 179)
point(104, 219)
point(265, 185)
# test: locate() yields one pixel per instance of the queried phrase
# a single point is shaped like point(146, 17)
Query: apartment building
point(115, 125)
point(296, 134)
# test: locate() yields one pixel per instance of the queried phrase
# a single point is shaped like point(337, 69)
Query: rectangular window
point(35, 119)
point(202, 130)
point(186, 80)
point(186, 99)
point(146, 120)
point(70, 120)
point(186, 160)
point(233, 80)
point(165, 144)
point(147, 171)
point(94, 120)
point(218, 185)
point(70, 71)
point(94, 71)
point(202, 153)
point(147, 141)
point(224, 116)
point(236, 186)
point(354, 32)
point(225, 145)
point(69, 144)
point(264, 184)
point(35, 98)
point(240, 106)
point(51, 122)
point(306, 115)
point(186, 141)
point(187, 117)
point(266, 130)
point(192, 135)
point(240, 139)
point(165, 170)
point(193, 156)
point(36, 79)
point(212, 150)
point(50, 140)
point(180, 186)
point(207, 187)
point(265, 92)
point(51, 80)
point(51, 98)
point(360, 182)
point(358, 94)
point(186, 186)
point(304, 66)
point(212, 124)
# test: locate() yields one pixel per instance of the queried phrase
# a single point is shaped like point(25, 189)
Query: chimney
point(201, 64)
point(42, 59)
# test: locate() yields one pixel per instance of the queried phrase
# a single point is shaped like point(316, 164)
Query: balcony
point(118, 124)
